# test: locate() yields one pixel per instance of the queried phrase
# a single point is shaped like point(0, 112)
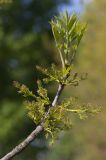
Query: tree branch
point(34, 133)
point(24, 144)
point(60, 89)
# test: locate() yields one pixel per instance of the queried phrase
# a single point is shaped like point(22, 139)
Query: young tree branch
point(23, 144)
point(19, 148)
point(67, 34)
point(60, 89)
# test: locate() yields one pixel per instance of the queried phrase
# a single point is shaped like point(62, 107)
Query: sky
point(76, 6)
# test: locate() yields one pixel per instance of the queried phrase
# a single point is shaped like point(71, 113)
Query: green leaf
point(68, 32)
point(22, 89)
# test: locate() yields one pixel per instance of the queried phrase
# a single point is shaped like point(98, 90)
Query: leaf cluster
point(62, 75)
point(68, 32)
point(60, 118)
point(37, 106)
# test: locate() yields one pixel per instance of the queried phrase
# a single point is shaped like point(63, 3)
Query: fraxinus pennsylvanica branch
point(53, 117)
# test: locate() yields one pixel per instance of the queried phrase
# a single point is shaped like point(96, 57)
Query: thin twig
point(23, 144)
point(60, 89)
point(62, 59)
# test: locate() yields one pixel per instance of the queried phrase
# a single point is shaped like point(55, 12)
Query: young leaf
point(68, 32)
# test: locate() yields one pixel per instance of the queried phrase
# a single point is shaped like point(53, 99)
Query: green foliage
point(62, 75)
point(54, 74)
point(37, 107)
point(67, 33)
point(60, 118)
point(23, 89)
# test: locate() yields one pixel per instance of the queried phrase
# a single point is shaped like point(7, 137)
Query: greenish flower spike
point(23, 89)
point(63, 75)
point(60, 117)
point(67, 32)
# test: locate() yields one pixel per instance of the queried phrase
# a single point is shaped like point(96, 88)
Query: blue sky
point(76, 6)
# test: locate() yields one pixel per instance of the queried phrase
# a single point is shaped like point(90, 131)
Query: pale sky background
point(76, 6)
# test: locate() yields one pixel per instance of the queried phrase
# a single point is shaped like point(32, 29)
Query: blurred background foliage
point(26, 40)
